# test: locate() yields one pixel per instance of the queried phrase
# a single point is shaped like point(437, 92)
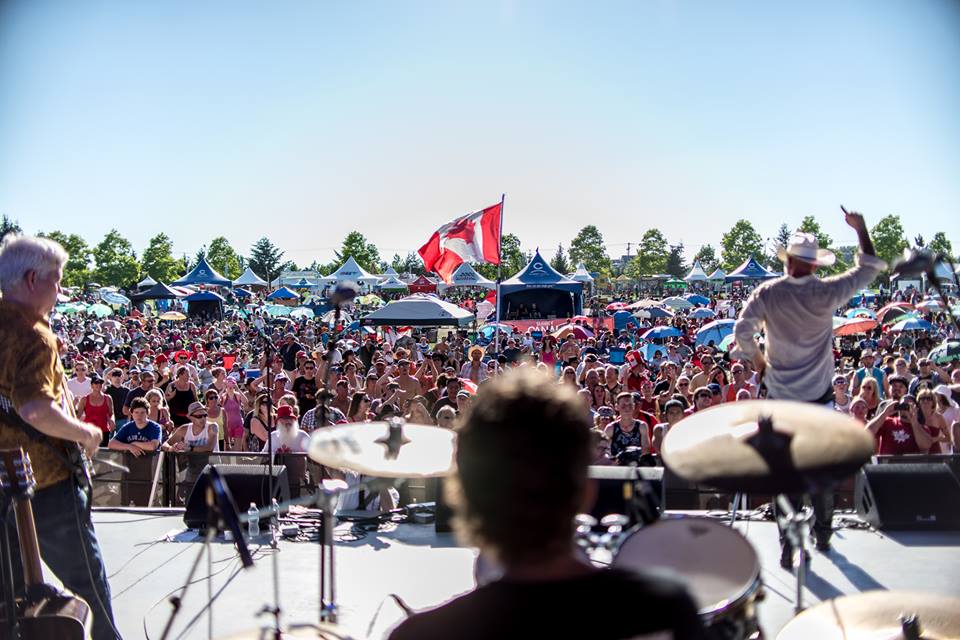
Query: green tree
point(116, 261)
point(811, 226)
point(365, 253)
point(223, 258)
point(889, 238)
point(708, 258)
point(266, 259)
point(652, 253)
point(559, 261)
point(738, 244)
point(77, 270)
point(780, 241)
point(511, 258)
point(589, 249)
point(940, 244)
point(676, 264)
point(409, 264)
point(8, 225)
point(158, 261)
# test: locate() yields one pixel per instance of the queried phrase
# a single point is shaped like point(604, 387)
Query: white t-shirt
point(79, 389)
point(296, 442)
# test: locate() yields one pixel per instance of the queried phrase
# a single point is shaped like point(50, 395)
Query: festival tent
point(203, 273)
point(674, 283)
point(697, 274)
point(718, 275)
point(392, 283)
point(350, 271)
point(540, 284)
point(205, 303)
point(390, 272)
point(423, 284)
point(466, 276)
point(249, 279)
point(146, 282)
point(749, 270)
point(158, 291)
point(283, 294)
point(582, 275)
point(419, 310)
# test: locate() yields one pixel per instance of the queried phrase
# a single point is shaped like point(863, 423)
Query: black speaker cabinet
point(617, 486)
point(247, 483)
point(908, 496)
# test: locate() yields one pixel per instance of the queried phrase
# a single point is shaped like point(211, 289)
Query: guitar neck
point(29, 549)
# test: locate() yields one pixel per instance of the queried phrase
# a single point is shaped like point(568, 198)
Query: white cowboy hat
point(804, 246)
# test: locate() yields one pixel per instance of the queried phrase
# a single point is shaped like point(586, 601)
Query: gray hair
point(20, 254)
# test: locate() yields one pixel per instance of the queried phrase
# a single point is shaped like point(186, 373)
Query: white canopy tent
point(582, 275)
point(466, 276)
point(718, 274)
point(419, 310)
point(249, 279)
point(392, 283)
point(146, 282)
point(697, 274)
point(350, 271)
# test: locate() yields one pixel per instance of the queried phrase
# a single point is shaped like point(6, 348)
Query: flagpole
point(496, 335)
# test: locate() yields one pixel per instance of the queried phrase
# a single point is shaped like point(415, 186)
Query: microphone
point(915, 262)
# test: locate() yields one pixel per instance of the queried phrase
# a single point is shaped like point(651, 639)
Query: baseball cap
point(195, 406)
point(714, 388)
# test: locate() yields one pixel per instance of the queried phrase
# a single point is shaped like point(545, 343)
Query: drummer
point(795, 312)
point(522, 457)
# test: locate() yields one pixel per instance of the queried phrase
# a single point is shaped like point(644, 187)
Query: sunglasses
point(198, 415)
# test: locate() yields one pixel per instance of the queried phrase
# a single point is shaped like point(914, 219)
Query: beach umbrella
point(862, 312)
point(488, 330)
point(661, 333)
point(100, 310)
point(726, 343)
point(912, 324)
point(676, 302)
point(702, 313)
point(581, 319)
point(696, 298)
point(579, 332)
point(893, 310)
point(653, 312)
point(173, 315)
point(277, 310)
point(645, 303)
point(930, 306)
point(370, 300)
point(854, 326)
point(302, 312)
point(616, 306)
point(947, 352)
point(715, 331)
point(112, 297)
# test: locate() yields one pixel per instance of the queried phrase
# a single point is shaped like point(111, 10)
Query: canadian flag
point(471, 238)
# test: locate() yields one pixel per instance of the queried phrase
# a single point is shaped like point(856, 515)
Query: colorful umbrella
point(652, 312)
point(643, 304)
point(929, 306)
point(677, 302)
point(616, 306)
point(579, 332)
point(100, 310)
point(696, 298)
point(726, 343)
point(947, 352)
point(912, 324)
point(894, 310)
point(861, 312)
point(854, 326)
point(302, 312)
point(581, 319)
point(660, 333)
point(173, 315)
point(277, 310)
point(715, 331)
point(370, 300)
point(112, 297)
point(702, 313)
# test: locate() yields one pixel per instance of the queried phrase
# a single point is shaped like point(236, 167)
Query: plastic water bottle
point(253, 524)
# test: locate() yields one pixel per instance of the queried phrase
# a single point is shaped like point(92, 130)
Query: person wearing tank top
point(198, 436)
point(180, 394)
point(97, 408)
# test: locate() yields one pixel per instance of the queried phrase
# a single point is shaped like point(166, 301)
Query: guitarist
point(36, 414)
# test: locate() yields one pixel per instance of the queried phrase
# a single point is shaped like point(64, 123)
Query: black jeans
point(822, 503)
point(68, 545)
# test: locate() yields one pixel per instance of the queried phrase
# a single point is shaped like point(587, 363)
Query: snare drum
point(718, 565)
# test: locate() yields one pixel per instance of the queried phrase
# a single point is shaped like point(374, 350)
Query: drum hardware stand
point(739, 501)
point(796, 526)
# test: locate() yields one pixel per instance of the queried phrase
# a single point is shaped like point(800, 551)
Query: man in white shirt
point(79, 384)
point(287, 437)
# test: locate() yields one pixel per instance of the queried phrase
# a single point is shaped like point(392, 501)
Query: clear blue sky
point(305, 120)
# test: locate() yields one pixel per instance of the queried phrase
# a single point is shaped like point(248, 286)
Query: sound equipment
point(443, 513)
point(45, 612)
point(247, 483)
point(908, 496)
point(616, 492)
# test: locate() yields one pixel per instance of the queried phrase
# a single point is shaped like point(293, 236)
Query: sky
point(303, 121)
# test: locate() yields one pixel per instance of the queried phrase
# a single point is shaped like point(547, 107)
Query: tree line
point(114, 261)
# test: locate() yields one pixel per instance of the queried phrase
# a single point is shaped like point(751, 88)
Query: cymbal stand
point(796, 526)
point(326, 500)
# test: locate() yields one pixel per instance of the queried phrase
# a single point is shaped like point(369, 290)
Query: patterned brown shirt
point(30, 369)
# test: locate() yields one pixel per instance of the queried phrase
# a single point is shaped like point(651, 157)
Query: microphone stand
point(274, 544)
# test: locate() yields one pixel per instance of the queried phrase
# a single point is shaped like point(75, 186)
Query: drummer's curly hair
point(522, 457)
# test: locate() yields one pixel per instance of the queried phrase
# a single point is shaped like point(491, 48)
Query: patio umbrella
point(929, 306)
point(581, 319)
point(696, 298)
point(112, 297)
point(172, 315)
point(661, 333)
point(616, 306)
point(912, 324)
point(726, 343)
point(861, 312)
point(947, 352)
point(715, 331)
point(854, 326)
point(702, 313)
point(370, 300)
point(677, 302)
point(302, 312)
point(653, 312)
point(100, 310)
point(643, 304)
point(277, 310)
point(893, 310)
point(578, 332)
point(488, 330)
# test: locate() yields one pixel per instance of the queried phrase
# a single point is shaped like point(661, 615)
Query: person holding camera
point(898, 430)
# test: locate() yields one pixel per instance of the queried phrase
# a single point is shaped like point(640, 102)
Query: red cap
point(285, 411)
point(161, 358)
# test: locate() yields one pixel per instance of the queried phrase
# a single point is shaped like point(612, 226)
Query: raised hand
point(854, 219)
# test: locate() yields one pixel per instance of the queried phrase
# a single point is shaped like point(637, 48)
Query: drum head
point(718, 564)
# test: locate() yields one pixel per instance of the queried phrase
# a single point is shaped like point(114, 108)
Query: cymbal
point(364, 447)
point(322, 631)
point(875, 615)
point(809, 446)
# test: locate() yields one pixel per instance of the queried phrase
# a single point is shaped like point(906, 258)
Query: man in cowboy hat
point(474, 369)
point(795, 312)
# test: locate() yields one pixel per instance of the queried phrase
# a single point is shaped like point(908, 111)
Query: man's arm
point(874, 425)
point(924, 439)
point(48, 418)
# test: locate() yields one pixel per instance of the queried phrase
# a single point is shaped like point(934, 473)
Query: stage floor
point(425, 569)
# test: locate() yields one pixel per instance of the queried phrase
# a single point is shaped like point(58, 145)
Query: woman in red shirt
point(97, 408)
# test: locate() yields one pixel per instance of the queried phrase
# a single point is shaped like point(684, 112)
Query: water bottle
point(253, 524)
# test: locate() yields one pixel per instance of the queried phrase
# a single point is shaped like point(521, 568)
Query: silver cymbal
point(365, 447)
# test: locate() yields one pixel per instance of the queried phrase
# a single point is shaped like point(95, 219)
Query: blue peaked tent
point(283, 294)
point(203, 273)
point(540, 284)
point(750, 270)
point(205, 303)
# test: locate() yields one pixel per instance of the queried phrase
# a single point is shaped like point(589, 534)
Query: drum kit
point(773, 447)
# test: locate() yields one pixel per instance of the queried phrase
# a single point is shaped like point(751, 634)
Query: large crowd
point(222, 385)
